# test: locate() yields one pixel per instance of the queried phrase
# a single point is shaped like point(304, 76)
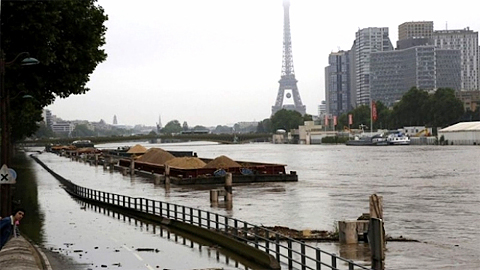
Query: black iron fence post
point(290, 263)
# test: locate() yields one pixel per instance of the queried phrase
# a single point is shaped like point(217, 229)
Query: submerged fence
point(291, 253)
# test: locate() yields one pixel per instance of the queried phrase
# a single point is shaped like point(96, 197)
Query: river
point(430, 194)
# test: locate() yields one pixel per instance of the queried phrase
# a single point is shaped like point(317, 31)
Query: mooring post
point(111, 164)
point(167, 175)
point(157, 180)
point(376, 232)
point(132, 165)
point(376, 206)
point(347, 232)
point(377, 243)
point(213, 196)
point(228, 191)
point(96, 159)
point(228, 187)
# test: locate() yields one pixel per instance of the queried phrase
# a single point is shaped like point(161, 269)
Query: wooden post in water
point(347, 232)
point(228, 187)
point(157, 180)
point(167, 179)
point(132, 166)
point(111, 164)
point(376, 241)
point(228, 191)
point(376, 206)
point(213, 196)
point(376, 232)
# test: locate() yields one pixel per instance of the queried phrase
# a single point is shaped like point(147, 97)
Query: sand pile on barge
point(186, 163)
point(222, 162)
point(156, 155)
point(137, 150)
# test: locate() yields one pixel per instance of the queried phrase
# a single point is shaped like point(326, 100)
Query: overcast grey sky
point(211, 62)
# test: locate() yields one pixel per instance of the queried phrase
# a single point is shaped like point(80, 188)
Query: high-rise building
point(415, 30)
point(322, 108)
point(393, 73)
point(466, 41)
point(115, 121)
point(367, 40)
point(48, 118)
point(337, 83)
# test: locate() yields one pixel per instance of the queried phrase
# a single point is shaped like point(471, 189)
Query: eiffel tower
point(288, 83)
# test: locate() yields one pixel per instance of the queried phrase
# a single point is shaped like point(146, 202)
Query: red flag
point(350, 119)
point(374, 111)
point(326, 120)
point(335, 120)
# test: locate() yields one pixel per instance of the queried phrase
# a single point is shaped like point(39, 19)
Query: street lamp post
point(5, 190)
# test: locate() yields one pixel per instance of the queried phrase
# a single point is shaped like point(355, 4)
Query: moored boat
point(375, 140)
point(398, 138)
point(82, 143)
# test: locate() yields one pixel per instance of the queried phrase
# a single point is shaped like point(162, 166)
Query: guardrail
point(291, 253)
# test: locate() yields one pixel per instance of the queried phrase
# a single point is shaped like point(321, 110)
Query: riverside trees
point(66, 37)
point(416, 108)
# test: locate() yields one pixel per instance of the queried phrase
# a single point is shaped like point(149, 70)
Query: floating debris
point(148, 249)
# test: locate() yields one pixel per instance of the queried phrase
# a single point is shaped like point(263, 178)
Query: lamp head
point(29, 61)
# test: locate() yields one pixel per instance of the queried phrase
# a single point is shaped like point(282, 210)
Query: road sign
point(7, 175)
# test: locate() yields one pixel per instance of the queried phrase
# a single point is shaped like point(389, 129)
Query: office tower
point(47, 118)
point(322, 108)
point(466, 41)
point(411, 34)
point(337, 83)
point(415, 30)
point(393, 73)
point(367, 40)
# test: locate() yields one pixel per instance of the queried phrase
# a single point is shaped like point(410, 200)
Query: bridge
point(220, 138)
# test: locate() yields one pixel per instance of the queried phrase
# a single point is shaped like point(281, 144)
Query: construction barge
point(183, 167)
point(252, 173)
point(186, 169)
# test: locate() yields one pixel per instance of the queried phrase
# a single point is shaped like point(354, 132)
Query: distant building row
point(373, 70)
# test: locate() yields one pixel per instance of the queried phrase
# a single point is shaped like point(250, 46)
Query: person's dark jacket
point(6, 229)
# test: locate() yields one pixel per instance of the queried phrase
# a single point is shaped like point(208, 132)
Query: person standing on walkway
point(7, 225)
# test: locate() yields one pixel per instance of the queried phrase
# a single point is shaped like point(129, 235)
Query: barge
point(187, 169)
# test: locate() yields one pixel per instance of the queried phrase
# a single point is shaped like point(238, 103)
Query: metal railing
point(290, 253)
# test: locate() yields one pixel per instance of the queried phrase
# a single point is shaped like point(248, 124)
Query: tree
point(265, 126)
point(361, 116)
point(198, 127)
point(185, 126)
point(65, 36)
point(172, 127)
point(82, 130)
point(286, 119)
point(307, 117)
point(44, 131)
point(412, 109)
point(223, 130)
point(383, 117)
point(446, 109)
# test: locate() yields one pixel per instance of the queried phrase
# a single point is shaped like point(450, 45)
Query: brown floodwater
point(430, 194)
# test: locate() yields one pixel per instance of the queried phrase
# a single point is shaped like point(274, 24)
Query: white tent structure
point(464, 133)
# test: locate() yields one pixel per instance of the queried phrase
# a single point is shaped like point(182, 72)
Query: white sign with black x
point(7, 175)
